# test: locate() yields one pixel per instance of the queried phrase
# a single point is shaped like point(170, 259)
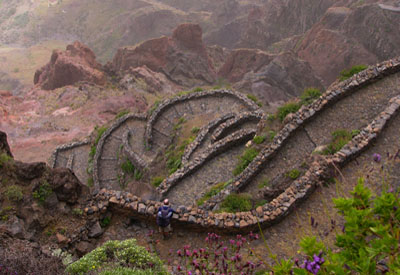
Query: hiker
point(164, 215)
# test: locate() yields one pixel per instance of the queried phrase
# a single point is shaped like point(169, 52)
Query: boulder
point(4, 147)
point(76, 63)
point(66, 185)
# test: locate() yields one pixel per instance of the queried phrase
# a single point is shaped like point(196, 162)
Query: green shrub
point(244, 160)
point(339, 139)
point(259, 139)
point(212, 192)
point(128, 168)
point(290, 107)
point(369, 237)
point(154, 107)
point(126, 271)
point(14, 193)
point(260, 203)
point(77, 212)
point(105, 222)
point(345, 74)
point(254, 99)
point(236, 203)
point(4, 159)
point(174, 155)
point(121, 114)
point(114, 255)
point(156, 181)
point(272, 135)
point(271, 117)
point(293, 174)
point(309, 95)
point(195, 130)
point(43, 192)
point(264, 183)
point(100, 132)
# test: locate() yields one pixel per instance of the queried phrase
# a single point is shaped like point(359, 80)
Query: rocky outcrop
point(66, 185)
point(4, 147)
point(271, 78)
point(76, 63)
point(182, 58)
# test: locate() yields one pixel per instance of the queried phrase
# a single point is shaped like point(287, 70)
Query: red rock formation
point(77, 63)
point(182, 58)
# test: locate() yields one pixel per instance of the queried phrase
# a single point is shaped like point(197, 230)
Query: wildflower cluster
point(218, 257)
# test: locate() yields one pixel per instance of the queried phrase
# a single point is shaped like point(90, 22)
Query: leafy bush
point(105, 222)
point(259, 139)
point(290, 107)
point(339, 139)
point(272, 135)
point(114, 255)
point(345, 74)
point(293, 174)
point(4, 159)
point(154, 107)
point(236, 203)
point(43, 192)
point(100, 132)
point(368, 239)
point(213, 191)
point(77, 212)
point(244, 160)
point(174, 155)
point(309, 95)
point(14, 193)
point(156, 181)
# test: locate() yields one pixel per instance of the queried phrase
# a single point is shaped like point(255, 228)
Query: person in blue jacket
point(164, 216)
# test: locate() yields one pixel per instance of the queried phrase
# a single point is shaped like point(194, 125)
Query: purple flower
point(314, 266)
point(376, 157)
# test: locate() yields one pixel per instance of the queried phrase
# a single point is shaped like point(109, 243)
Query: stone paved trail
point(218, 169)
point(352, 112)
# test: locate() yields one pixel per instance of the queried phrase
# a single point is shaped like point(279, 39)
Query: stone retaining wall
point(267, 214)
point(202, 135)
point(174, 101)
point(99, 148)
point(211, 151)
point(133, 157)
point(65, 147)
point(294, 121)
point(242, 118)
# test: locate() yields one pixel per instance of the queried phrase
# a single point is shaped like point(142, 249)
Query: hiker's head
point(166, 202)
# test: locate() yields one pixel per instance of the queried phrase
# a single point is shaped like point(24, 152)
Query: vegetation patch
point(254, 99)
point(236, 203)
point(118, 256)
point(339, 139)
point(346, 74)
point(154, 107)
point(259, 139)
point(128, 168)
point(4, 160)
point(156, 181)
point(212, 192)
point(293, 174)
point(14, 193)
point(43, 192)
point(195, 130)
point(195, 90)
point(309, 95)
point(121, 114)
point(290, 107)
point(264, 183)
point(244, 160)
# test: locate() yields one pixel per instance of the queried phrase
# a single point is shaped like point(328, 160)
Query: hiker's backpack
point(163, 216)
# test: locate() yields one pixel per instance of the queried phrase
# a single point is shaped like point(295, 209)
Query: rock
point(66, 185)
point(51, 201)
point(4, 147)
point(141, 208)
point(16, 228)
point(83, 248)
point(95, 231)
point(30, 171)
point(61, 239)
point(76, 63)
